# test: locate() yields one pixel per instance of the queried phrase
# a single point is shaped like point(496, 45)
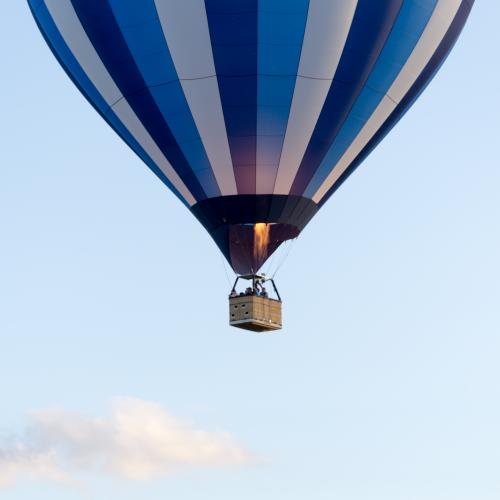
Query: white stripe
point(327, 29)
point(185, 27)
point(68, 24)
point(438, 25)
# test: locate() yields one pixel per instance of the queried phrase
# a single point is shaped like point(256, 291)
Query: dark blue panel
point(80, 79)
point(275, 94)
point(281, 35)
point(371, 26)
point(34, 4)
point(419, 86)
point(408, 28)
point(105, 34)
point(282, 26)
point(144, 35)
point(233, 32)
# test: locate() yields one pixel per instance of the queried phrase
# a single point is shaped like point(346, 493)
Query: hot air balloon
point(252, 112)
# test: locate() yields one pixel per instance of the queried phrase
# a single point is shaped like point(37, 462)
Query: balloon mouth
point(250, 245)
point(248, 229)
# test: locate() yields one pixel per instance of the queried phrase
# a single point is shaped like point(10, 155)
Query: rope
point(285, 256)
point(269, 265)
point(224, 264)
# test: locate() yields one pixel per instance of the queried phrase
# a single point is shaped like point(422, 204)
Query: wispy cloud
point(22, 462)
point(138, 440)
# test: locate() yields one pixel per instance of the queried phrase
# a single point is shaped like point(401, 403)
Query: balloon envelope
point(253, 112)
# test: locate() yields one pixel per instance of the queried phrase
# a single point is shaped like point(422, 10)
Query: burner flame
point(261, 241)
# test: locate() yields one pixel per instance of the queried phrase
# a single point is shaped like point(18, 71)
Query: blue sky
point(384, 382)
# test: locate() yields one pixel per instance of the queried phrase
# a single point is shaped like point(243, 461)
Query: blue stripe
point(75, 72)
point(407, 31)
point(233, 32)
point(34, 4)
point(418, 87)
point(105, 34)
point(372, 23)
point(281, 31)
point(144, 35)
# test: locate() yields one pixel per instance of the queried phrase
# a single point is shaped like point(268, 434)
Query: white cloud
point(23, 462)
point(139, 440)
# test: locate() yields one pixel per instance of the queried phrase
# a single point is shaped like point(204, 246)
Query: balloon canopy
point(253, 112)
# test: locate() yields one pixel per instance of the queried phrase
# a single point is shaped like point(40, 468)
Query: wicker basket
point(254, 313)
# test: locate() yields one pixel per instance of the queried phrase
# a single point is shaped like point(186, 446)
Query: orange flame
point(260, 241)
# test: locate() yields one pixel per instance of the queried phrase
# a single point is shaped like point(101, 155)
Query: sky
point(119, 376)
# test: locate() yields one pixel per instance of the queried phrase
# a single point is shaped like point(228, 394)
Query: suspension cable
point(224, 265)
point(285, 256)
